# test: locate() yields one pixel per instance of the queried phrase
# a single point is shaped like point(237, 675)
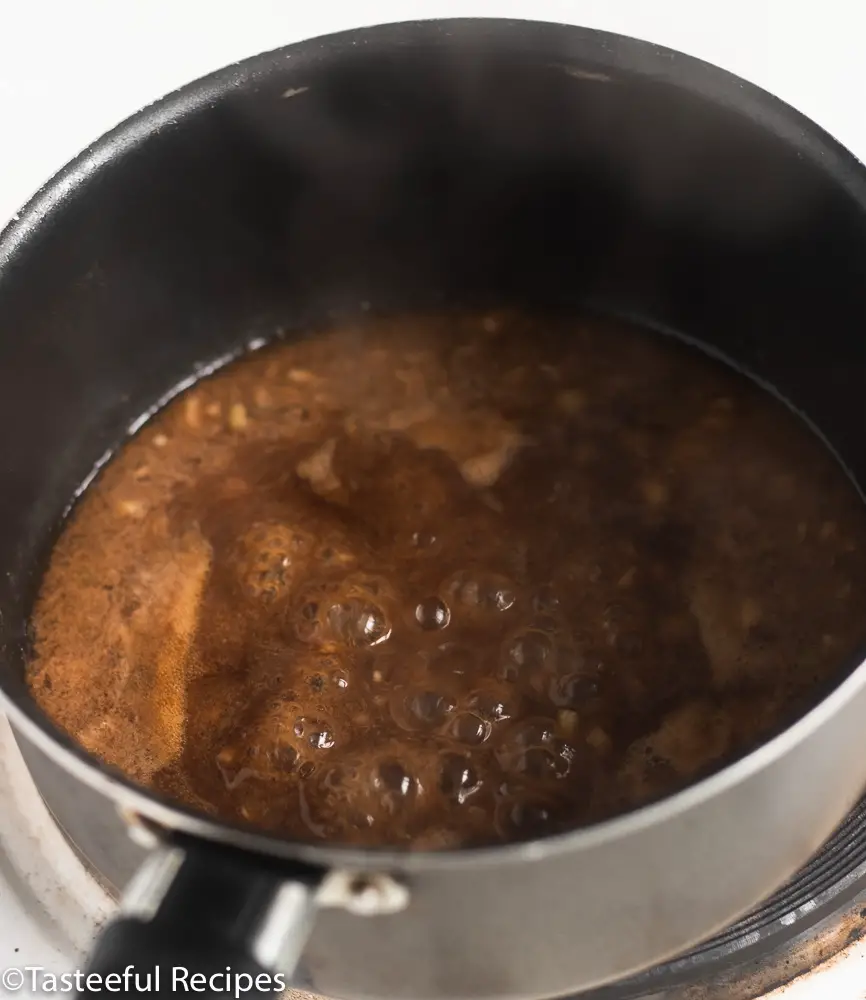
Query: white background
point(71, 69)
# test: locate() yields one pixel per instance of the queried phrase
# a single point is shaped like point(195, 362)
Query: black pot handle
point(207, 921)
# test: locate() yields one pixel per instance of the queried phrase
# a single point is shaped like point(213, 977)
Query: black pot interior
point(419, 166)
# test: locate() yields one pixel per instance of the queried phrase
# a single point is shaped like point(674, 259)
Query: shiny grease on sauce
point(435, 581)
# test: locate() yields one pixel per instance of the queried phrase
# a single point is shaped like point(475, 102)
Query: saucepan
point(414, 166)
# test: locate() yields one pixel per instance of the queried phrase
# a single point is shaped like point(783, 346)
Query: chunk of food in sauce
point(450, 580)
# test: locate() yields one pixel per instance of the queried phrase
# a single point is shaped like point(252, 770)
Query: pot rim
point(575, 50)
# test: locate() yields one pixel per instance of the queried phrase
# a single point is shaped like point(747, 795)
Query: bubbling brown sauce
point(439, 581)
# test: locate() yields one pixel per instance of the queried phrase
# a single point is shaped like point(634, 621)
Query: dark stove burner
point(822, 888)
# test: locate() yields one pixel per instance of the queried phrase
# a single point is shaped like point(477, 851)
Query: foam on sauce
point(437, 581)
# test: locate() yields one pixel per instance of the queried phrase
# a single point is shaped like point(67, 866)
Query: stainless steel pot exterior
point(545, 919)
point(618, 900)
point(429, 165)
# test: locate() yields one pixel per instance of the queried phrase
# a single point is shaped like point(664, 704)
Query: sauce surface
point(438, 581)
